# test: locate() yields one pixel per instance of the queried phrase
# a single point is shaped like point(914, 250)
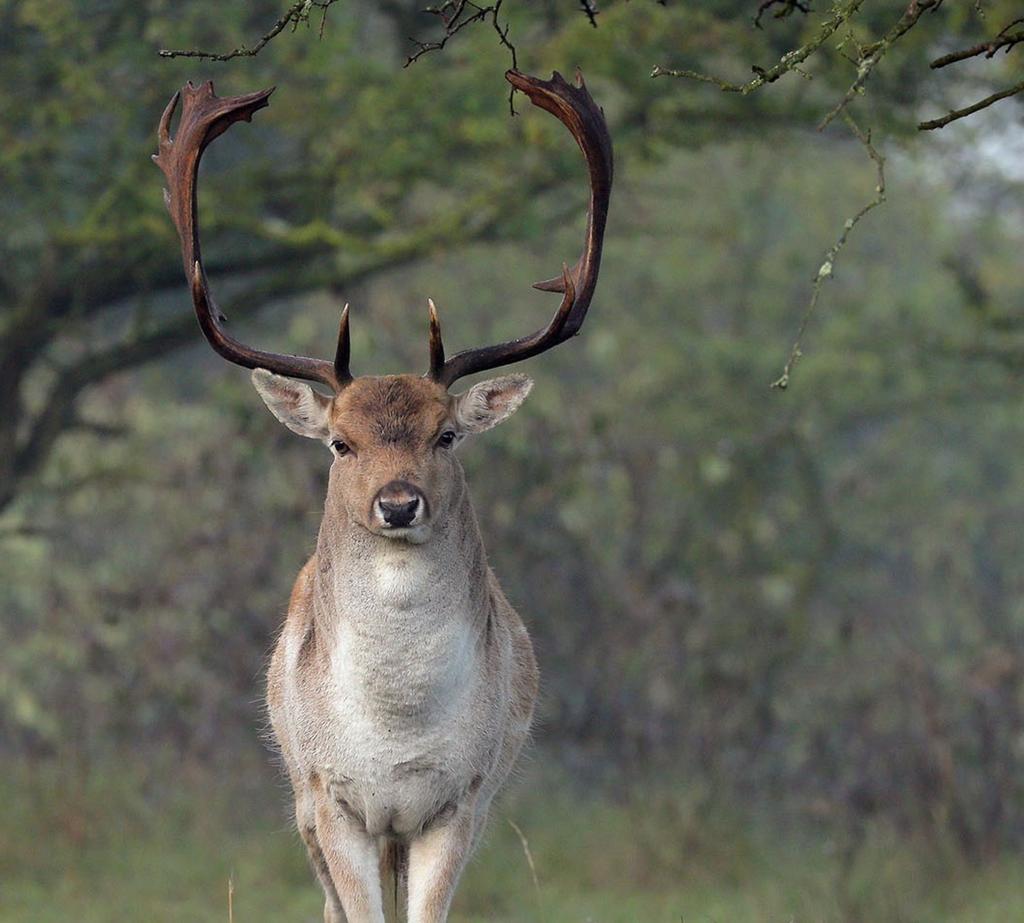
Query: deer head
point(392, 436)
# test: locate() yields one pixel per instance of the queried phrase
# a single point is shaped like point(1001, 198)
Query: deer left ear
point(296, 405)
point(489, 403)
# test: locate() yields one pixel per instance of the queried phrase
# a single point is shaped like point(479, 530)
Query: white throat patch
point(401, 579)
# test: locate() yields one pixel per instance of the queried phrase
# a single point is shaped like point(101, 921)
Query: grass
point(161, 846)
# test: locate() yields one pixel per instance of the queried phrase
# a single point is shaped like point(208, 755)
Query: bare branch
point(455, 16)
point(826, 269)
point(787, 8)
point(970, 110)
point(870, 55)
point(841, 14)
point(589, 8)
point(297, 13)
point(1005, 39)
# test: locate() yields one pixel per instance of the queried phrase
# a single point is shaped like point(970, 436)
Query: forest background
point(779, 628)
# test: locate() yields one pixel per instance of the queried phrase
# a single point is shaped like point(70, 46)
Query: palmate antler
point(576, 109)
point(204, 116)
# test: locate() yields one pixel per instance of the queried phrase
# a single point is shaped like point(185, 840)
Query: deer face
point(393, 439)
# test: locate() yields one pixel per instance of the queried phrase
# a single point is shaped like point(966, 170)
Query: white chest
point(397, 715)
point(404, 653)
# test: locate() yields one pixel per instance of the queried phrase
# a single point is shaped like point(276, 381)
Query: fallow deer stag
point(402, 685)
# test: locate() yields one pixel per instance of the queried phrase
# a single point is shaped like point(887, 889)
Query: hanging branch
point(870, 55)
point(826, 270)
point(456, 15)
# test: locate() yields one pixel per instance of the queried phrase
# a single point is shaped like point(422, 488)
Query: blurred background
point(779, 631)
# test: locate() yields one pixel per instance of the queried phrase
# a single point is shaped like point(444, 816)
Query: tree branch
point(456, 15)
point(295, 14)
point(841, 14)
point(478, 217)
point(825, 271)
point(970, 110)
point(589, 9)
point(1005, 39)
point(787, 8)
point(870, 55)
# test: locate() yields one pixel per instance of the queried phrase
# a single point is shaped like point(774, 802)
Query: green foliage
point(809, 595)
point(804, 604)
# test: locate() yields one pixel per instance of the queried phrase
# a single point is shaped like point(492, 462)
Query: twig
point(453, 14)
point(870, 55)
point(231, 899)
point(529, 856)
point(297, 13)
point(788, 8)
point(841, 14)
point(1005, 39)
point(970, 110)
point(826, 270)
point(590, 10)
point(456, 15)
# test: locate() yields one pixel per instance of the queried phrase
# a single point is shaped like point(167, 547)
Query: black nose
point(398, 502)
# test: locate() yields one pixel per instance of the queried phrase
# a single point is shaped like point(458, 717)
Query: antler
point(205, 116)
point(576, 109)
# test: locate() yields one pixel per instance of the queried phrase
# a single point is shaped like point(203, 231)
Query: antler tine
point(205, 116)
point(436, 343)
point(576, 109)
point(343, 353)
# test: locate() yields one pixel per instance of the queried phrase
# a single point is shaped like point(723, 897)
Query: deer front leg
point(352, 864)
point(436, 860)
point(305, 819)
point(332, 903)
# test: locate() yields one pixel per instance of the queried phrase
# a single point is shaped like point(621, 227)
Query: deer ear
point(485, 405)
point(296, 405)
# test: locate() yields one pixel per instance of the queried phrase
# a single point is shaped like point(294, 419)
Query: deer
point(402, 685)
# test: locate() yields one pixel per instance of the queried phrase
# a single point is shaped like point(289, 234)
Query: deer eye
point(340, 447)
point(446, 439)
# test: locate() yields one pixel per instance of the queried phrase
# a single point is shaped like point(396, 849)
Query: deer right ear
point(296, 405)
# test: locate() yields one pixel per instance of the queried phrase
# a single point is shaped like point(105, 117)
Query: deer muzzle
point(399, 505)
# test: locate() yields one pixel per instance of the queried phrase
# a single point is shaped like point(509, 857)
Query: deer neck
point(376, 584)
point(406, 626)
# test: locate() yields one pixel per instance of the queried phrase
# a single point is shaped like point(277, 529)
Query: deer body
point(403, 681)
point(402, 685)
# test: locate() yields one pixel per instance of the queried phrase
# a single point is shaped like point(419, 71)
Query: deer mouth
point(415, 534)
